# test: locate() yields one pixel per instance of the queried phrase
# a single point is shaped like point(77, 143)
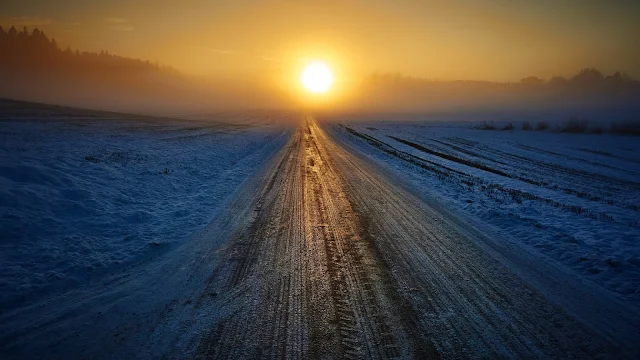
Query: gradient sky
point(454, 39)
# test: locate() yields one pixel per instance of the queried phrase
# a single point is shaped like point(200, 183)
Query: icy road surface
point(322, 255)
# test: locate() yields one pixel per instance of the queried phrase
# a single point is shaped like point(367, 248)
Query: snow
point(84, 193)
point(573, 199)
point(88, 199)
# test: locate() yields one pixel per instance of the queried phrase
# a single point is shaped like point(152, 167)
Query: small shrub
point(488, 127)
point(575, 126)
point(542, 126)
point(597, 130)
point(91, 158)
point(526, 126)
point(509, 126)
point(629, 128)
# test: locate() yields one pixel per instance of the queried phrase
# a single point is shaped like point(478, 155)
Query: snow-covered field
point(83, 193)
point(571, 199)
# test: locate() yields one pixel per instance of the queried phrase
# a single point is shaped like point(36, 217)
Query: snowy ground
point(84, 193)
point(239, 233)
point(573, 199)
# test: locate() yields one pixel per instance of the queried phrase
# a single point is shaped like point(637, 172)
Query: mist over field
point(35, 68)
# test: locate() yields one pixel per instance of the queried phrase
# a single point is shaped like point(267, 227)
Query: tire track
point(361, 321)
point(306, 282)
point(264, 272)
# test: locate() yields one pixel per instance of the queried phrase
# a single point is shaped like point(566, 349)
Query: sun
point(316, 77)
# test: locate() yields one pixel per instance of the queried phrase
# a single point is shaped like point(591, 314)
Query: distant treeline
point(573, 125)
point(34, 68)
point(589, 88)
point(35, 51)
point(586, 80)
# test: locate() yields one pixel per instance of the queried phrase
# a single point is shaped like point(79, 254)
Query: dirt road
point(338, 262)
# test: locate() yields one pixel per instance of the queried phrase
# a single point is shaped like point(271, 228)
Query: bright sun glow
point(316, 77)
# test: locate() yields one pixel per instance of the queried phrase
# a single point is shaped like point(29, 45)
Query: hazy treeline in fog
point(588, 89)
point(33, 67)
point(35, 51)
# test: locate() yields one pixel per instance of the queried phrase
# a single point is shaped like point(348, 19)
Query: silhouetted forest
point(35, 51)
point(34, 67)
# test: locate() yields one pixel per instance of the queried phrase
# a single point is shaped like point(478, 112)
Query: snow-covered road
point(325, 254)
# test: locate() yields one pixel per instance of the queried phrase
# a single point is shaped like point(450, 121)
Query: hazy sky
point(452, 39)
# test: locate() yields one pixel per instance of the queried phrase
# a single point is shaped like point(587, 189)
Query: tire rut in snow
point(262, 275)
point(361, 321)
point(302, 280)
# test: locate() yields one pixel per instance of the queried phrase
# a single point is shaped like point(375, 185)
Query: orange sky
point(457, 39)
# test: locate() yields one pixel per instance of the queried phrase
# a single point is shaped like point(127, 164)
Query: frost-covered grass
point(83, 193)
point(574, 199)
